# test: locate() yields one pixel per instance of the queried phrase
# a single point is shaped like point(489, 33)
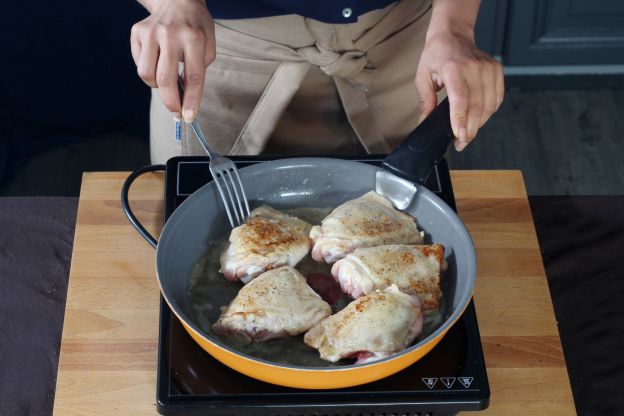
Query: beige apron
point(292, 85)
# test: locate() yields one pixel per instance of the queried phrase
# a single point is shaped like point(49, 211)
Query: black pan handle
point(125, 204)
point(424, 147)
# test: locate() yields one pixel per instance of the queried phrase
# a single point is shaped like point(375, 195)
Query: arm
point(175, 31)
point(473, 80)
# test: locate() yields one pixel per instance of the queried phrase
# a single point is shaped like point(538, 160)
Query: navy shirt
point(328, 11)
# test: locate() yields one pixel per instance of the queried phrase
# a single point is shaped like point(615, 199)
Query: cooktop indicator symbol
point(430, 382)
point(466, 381)
point(448, 381)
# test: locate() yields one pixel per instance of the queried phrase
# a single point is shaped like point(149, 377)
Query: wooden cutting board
point(109, 346)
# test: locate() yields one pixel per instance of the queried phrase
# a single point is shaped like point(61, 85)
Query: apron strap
point(278, 93)
point(360, 117)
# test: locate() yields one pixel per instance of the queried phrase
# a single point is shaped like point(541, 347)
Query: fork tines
point(229, 179)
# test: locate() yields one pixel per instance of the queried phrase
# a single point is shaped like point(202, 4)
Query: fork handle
point(195, 126)
point(202, 140)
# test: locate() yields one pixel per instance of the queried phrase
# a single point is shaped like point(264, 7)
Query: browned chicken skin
point(367, 221)
point(269, 239)
point(415, 269)
point(369, 328)
point(276, 304)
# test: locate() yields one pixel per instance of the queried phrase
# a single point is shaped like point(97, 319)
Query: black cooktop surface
point(449, 379)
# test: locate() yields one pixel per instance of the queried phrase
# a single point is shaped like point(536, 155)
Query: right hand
point(176, 31)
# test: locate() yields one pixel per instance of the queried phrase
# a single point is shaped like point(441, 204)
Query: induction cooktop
point(449, 379)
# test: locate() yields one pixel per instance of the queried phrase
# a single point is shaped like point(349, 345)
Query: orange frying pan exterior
point(306, 182)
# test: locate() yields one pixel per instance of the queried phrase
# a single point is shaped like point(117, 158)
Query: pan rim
point(463, 302)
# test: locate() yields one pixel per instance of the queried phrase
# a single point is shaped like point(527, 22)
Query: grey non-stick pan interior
point(195, 226)
point(293, 183)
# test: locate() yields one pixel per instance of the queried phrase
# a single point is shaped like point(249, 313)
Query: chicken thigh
point(415, 269)
point(369, 328)
point(368, 221)
point(269, 239)
point(276, 304)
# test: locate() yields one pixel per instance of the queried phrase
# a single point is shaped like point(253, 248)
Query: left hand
point(473, 80)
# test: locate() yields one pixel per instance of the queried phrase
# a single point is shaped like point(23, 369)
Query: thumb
point(426, 92)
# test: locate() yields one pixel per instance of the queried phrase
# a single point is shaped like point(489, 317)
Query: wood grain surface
point(109, 346)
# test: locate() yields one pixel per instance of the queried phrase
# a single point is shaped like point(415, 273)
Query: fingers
point(473, 80)
point(476, 103)
point(211, 48)
point(475, 91)
point(175, 32)
point(493, 80)
point(500, 85)
point(157, 51)
point(167, 72)
point(135, 43)
point(194, 71)
point(458, 96)
point(148, 58)
point(426, 93)
point(488, 80)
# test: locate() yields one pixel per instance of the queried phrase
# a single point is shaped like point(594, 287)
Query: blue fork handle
point(195, 126)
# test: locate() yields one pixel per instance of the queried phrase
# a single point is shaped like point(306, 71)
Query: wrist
point(465, 32)
point(453, 17)
point(154, 5)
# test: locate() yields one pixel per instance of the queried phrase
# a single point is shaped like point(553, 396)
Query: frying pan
point(200, 221)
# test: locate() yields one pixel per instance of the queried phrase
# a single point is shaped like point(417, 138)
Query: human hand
point(473, 80)
point(176, 31)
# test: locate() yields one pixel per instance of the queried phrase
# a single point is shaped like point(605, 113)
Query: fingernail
point(462, 135)
point(189, 115)
point(177, 117)
point(459, 146)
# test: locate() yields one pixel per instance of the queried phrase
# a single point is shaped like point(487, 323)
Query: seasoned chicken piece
point(369, 328)
point(415, 269)
point(276, 304)
point(269, 239)
point(367, 221)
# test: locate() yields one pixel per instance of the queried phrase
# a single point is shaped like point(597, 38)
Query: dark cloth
point(582, 242)
point(328, 11)
point(36, 236)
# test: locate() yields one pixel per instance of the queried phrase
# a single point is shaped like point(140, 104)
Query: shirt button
point(347, 12)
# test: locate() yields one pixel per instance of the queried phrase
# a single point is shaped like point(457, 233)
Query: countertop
point(108, 352)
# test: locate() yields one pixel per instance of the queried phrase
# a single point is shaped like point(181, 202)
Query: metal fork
point(225, 175)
